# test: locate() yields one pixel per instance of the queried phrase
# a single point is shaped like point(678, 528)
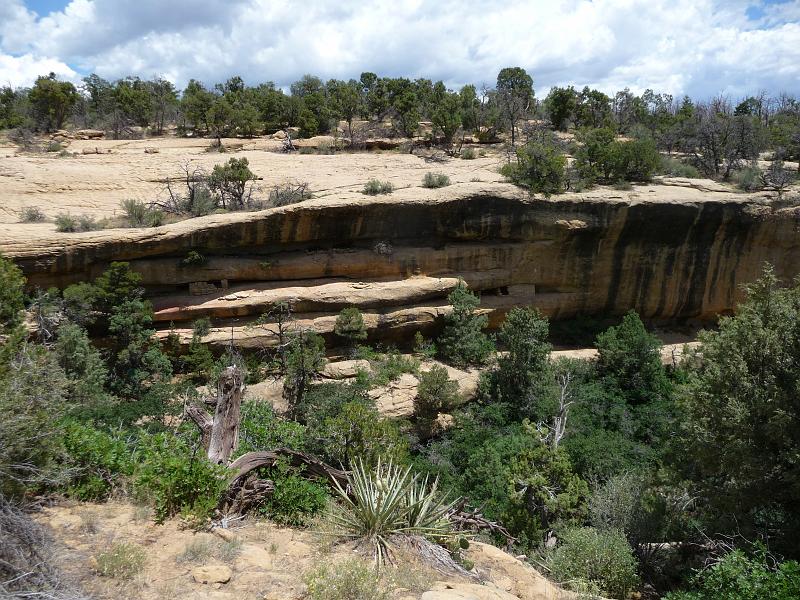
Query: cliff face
point(672, 253)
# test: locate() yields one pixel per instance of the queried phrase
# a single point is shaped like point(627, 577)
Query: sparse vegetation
point(435, 180)
point(31, 214)
point(374, 187)
point(123, 560)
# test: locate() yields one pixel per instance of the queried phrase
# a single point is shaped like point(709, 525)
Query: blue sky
point(699, 47)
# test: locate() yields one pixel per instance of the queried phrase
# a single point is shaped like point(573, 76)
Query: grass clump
point(386, 502)
point(435, 180)
point(139, 214)
point(469, 154)
point(31, 214)
point(67, 223)
point(345, 580)
point(121, 561)
point(749, 179)
point(375, 187)
point(674, 167)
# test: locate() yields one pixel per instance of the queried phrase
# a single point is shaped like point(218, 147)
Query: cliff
point(672, 252)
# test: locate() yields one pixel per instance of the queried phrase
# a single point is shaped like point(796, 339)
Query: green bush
point(193, 259)
point(350, 326)
point(296, 499)
point(469, 154)
point(177, 478)
point(436, 393)
point(463, 342)
point(435, 180)
point(374, 187)
point(738, 576)
point(98, 460)
point(678, 168)
point(601, 561)
point(540, 167)
point(261, 429)
point(66, 223)
point(139, 214)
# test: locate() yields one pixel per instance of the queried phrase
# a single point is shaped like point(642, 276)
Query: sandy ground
point(95, 184)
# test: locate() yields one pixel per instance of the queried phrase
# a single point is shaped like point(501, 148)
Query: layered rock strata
point(671, 252)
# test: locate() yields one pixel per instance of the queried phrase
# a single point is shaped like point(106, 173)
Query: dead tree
point(220, 433)
point(559, 426)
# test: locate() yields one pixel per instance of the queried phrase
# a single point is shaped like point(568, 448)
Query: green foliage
point(83, 365)
point(139, 214)
point(296, 499)
point(540, 167)
point(436, 393)
point(12, 284)
point(435, 180)
point(386, 501)
point(388, 366)
point(463, 342)
point(97, 460)
point(177, 478)
point(231, 183)
point(345, 580)
point(596, 561)
point(374, 187)
point(52, 101)
point(737, 576)
point(305, 358)
point(521, 381)
point(601, 157)
point(674, 167)
point(358, 432)
point(629, 358)
point(423, 347)
point(469, 154)
point(740, 424)
point(350, 326)
point(510, 472)
point(261, 429)
point(561, 104)
point(514, 95)
point(122, 561)
point(32, 399)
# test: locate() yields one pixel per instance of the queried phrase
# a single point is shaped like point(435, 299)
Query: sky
point(696, 47)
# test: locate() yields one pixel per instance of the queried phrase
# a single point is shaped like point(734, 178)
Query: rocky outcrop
point(668, 251)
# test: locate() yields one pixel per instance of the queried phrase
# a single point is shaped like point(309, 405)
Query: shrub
point(121, 561)
point(88, 223)
point(423, 347)
point(435, 180)
point(99, 461)
point(387, 501)
point(231, 182)
point(350, 326)
point(601, 560)
point(738, 576)
point(284, 195)
point(374, 187)
point(468, 154)
point(436, 393)
point(390, 365)
point(678, 168)
point(260, 428)
point(177, 478)
point(346, 580)
point(135, 211)
point(193, 259)
point(540, 167)
point(31, 214)
point(623, 186)
point(66, 223)
point(748, 179)
point(463, 342)
point(296, 498)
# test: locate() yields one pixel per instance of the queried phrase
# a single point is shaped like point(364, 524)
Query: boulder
point(151, 150)
point(90, 134)
point(212, 574)
point(466, 591)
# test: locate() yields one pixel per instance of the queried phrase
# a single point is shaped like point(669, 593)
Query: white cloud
point(19, 71)
point(699, 47)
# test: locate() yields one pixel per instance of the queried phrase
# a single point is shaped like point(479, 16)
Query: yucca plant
point(386, 502)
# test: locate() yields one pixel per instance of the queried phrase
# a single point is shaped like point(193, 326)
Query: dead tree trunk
point(220, 434)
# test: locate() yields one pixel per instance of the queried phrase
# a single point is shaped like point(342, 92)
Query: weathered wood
point(225, 429)
point(268, 458)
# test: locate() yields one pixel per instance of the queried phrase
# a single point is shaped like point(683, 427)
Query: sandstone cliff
point(668, 251)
